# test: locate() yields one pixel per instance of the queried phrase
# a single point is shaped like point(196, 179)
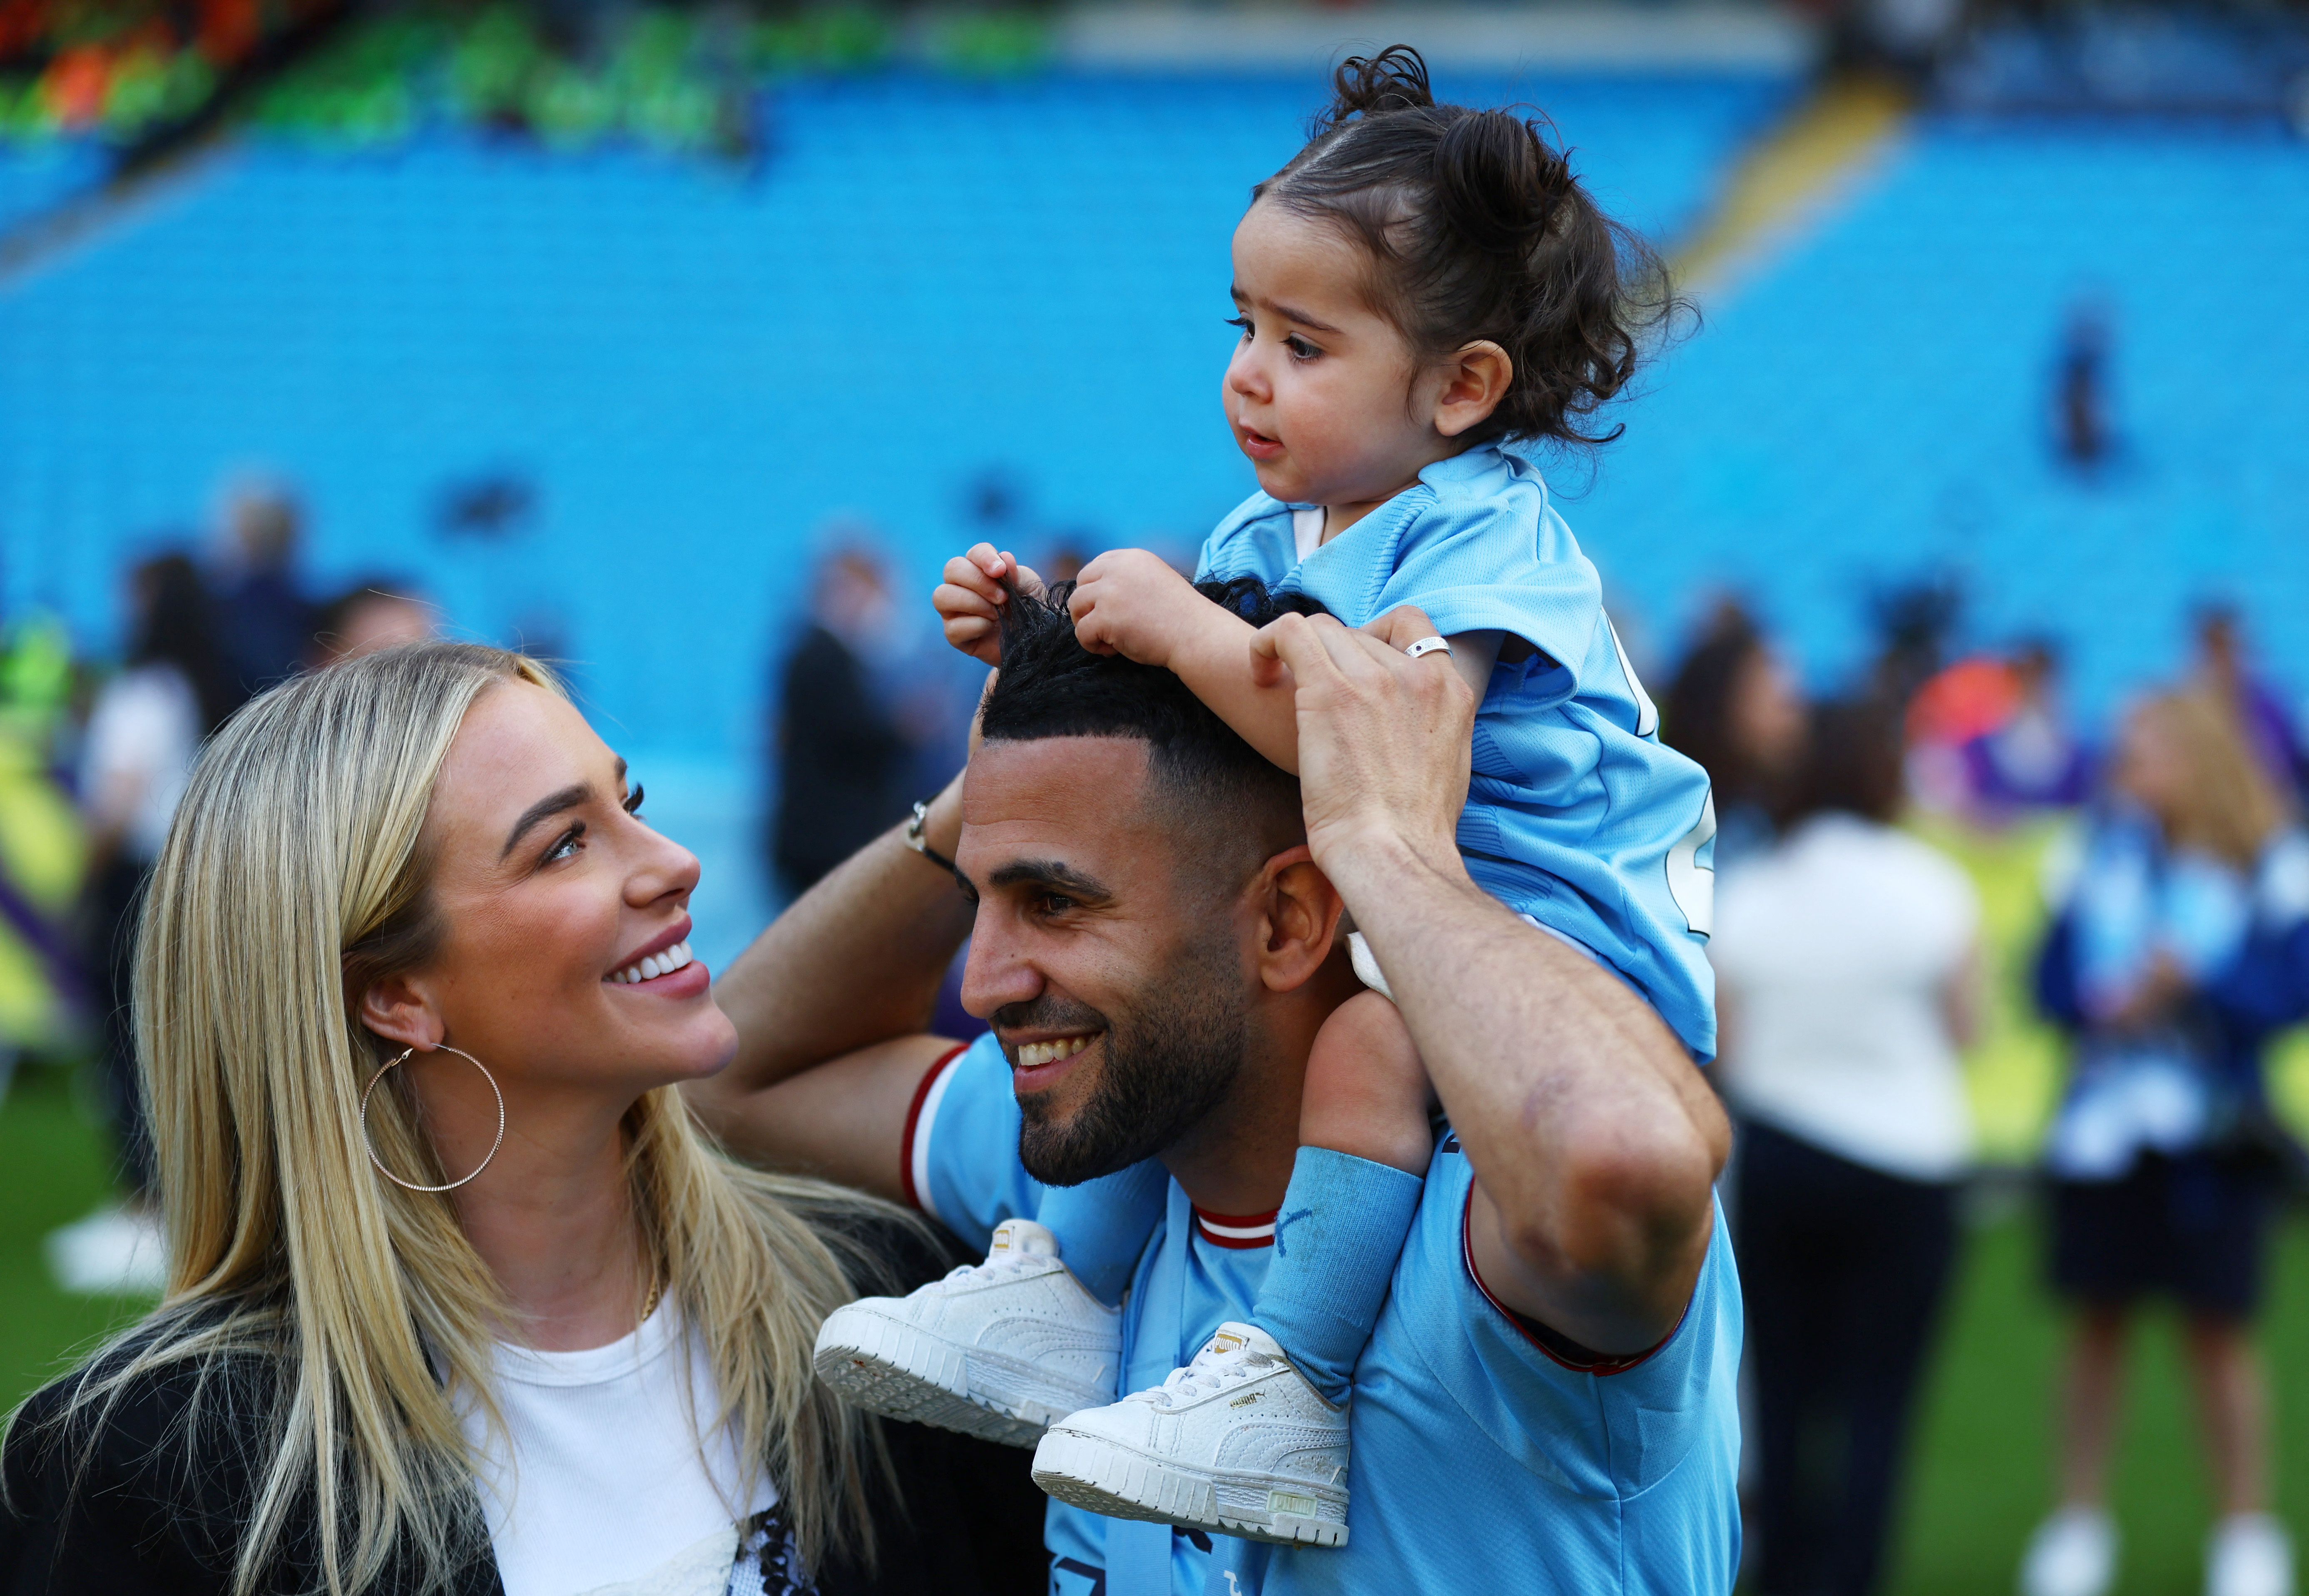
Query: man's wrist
point(1375, 860)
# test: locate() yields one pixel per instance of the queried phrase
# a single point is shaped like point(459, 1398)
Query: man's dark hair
point(1052, 686)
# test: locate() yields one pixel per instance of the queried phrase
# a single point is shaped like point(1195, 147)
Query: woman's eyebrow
point(552, 804)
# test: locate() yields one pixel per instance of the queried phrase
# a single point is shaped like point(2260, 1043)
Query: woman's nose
point(663, 866)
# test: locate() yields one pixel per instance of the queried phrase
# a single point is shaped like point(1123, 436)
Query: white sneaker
point(113, 1252)
point(997, 1349)
point(2249, 1554)
point(1237, 1442)
point(2072, 1553)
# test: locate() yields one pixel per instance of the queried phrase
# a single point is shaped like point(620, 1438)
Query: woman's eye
point(634, 801)
point(1300, 350)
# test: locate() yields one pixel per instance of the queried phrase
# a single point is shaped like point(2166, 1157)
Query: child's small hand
point(1130, 603)
point(968, 602)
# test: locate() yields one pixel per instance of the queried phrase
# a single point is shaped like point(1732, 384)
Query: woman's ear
point(397, 1008)
point(1299, 919)
point(1474, 381)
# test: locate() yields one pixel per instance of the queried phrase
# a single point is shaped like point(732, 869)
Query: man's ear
point(1475, 380)
point(398, 1009)
point(1299, 919)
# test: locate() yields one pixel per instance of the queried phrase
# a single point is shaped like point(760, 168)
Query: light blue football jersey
point(1577, 815)
point(1482, 1460)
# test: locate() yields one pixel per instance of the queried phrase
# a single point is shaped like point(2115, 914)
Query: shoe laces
point(1211, 1371)
point(1002, 1266)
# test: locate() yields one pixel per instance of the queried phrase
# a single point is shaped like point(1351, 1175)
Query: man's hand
point(1593, 1139)
point(1130, 603)
point(1383, 737)
point(969, 601)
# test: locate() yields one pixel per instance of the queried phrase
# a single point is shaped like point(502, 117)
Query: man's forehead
point(1082, 790)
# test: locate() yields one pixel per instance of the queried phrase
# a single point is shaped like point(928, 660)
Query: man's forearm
point(1591, 1134)
point(856, 960)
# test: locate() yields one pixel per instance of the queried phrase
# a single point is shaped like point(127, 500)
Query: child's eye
point(634, 801)
point(1300, 350)
point(1243, 322)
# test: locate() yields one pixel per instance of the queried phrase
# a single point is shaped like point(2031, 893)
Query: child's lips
point(1258, 445)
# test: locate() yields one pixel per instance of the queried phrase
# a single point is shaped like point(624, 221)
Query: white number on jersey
point(1692, 883)
point(1646, 713)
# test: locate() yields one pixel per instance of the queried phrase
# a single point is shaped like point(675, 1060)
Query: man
point(1547, 1403)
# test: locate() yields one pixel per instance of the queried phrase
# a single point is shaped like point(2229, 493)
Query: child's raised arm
point(1129, 603)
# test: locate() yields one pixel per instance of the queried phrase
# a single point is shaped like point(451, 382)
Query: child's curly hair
point(1477, 230)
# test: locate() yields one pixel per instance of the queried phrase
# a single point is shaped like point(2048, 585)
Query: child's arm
point(967, 601)
point(1130, 603)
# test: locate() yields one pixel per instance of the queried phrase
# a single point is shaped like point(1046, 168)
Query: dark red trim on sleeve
point(914, 1119)
point(1560, 1349)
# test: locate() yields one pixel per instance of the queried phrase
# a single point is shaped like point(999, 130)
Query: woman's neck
point(553, 1218)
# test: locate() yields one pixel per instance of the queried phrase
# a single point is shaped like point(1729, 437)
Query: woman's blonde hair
point(2228, 806)
point(295, 875)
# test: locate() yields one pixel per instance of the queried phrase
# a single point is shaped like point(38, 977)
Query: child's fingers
point(987, 558)
point(1027, 582)
point(1090, 630)
point(951, 599)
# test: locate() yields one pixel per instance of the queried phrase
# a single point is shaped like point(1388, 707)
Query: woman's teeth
point(1030, 1054)
point(654, 966)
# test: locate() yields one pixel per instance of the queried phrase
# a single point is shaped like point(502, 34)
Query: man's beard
point(1166, 1064)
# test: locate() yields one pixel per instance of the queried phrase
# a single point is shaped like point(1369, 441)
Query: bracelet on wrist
point(920, 844)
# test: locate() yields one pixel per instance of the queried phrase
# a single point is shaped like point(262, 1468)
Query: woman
point(1848, 981)
point(2181, 942)
point(459, 1298)
point(1735, 709)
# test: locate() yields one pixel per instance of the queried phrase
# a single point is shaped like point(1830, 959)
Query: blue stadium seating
point(1879, 405)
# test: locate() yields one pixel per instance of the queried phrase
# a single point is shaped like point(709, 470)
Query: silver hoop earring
point(371, 1147)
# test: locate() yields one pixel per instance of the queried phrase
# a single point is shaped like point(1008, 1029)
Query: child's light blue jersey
point(1483, 1462)
point(1577, 815)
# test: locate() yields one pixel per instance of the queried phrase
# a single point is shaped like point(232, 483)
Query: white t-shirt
point(606, 1489)
point(143, 734)
point(1835, 949)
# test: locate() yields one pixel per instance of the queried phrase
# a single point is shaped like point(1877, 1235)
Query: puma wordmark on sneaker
point(997, 1349)
point(1237, 1442)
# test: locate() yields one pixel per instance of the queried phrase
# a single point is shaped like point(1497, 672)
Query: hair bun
point(1497, 181)
point(1394, 80)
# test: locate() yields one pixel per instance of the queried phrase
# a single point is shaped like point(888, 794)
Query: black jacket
point(146, 1512)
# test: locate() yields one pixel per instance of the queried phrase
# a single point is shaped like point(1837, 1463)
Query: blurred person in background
point(2179, 942)
point(1735, 709)
point(2030, 758)
point(2083, 434)
point(1848, 974)
point(368, 617)
point(144, 730)
point(2223, 671)
point(264, 621)
point(844, 756)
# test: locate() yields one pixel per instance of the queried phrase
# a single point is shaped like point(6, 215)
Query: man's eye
point(1056, 903)
point(1300, 350)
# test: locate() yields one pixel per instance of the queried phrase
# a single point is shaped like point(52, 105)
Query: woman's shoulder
point(140, 1455)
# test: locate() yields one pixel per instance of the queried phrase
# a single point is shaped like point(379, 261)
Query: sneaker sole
point(898, 1372)
point(1107, 1477)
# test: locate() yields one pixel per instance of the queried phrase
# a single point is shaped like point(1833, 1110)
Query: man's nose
point(996, 973)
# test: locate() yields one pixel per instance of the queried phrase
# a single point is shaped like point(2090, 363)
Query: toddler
point(1426, 298)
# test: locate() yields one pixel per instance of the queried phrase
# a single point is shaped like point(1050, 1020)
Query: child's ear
point(1475, 380)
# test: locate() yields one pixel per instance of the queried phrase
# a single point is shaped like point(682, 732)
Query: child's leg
point(1104, 1225)
point(1364, 1146)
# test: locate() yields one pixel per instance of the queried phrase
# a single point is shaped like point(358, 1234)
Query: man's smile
point(1040, 1065)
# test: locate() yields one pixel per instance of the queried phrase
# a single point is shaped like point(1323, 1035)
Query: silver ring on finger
point(1426, 646)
